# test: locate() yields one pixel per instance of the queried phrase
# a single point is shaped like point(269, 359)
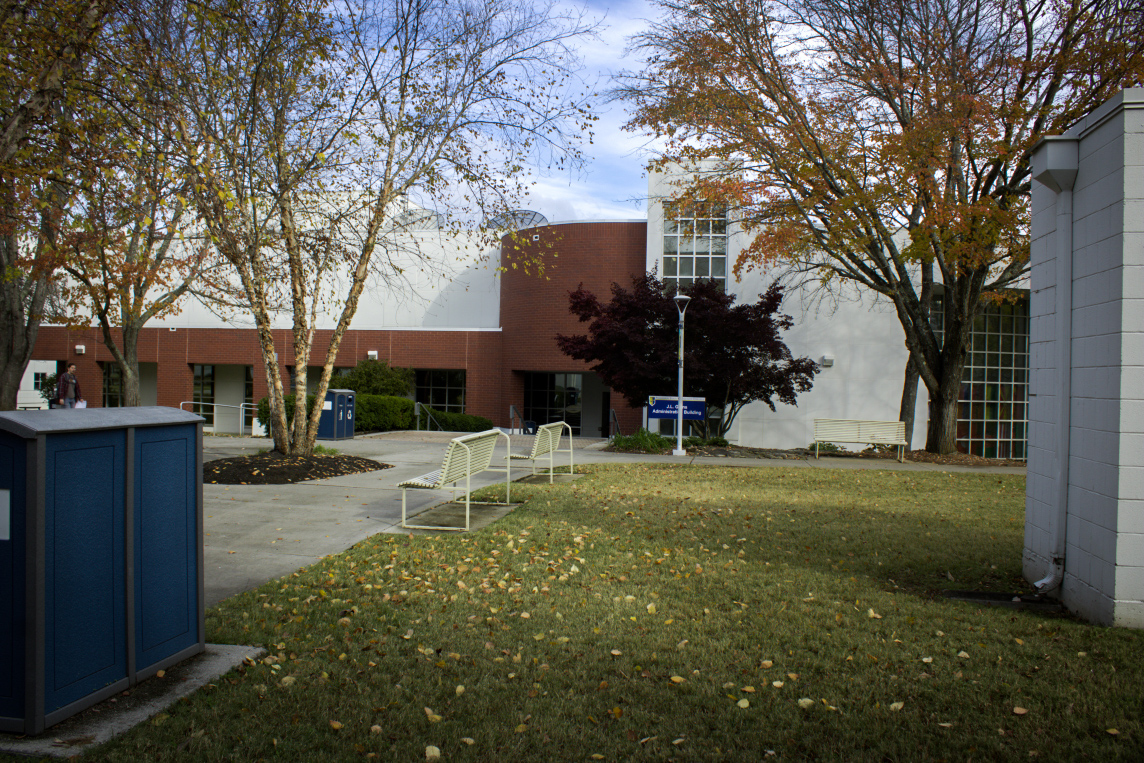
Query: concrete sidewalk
point(255, 533)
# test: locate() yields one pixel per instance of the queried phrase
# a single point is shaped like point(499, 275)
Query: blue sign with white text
point(694, 408)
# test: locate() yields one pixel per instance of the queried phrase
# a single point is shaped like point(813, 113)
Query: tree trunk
point(20, 316)
point(129, 367)
point(941, 436)
point(909, 400)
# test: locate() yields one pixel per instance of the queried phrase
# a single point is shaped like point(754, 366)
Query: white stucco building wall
point(859, 331)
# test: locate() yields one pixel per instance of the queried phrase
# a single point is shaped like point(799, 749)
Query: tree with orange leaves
point(884, 144)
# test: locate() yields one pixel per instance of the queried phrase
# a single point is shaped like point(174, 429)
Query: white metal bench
point(466, 456)
point(547, 443)
point(856, 430)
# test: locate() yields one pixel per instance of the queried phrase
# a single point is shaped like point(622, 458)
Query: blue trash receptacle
point(101, 569)
point(336, 421)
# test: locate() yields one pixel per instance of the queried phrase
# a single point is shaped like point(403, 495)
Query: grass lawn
point(673, 613)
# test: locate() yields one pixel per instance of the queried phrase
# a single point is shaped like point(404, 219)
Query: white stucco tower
point(1084, 505)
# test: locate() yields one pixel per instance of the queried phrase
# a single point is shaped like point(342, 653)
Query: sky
point(613, 184)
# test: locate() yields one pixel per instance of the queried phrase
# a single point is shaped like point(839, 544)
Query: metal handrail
point(240, 408)
point(613, 424)
point(513, 417)
point(429, 413)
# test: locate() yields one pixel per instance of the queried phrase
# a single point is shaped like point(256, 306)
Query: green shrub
point(376, 377)
point(382, 413)
point(264, 408)
point(455, 422)
point(827, 447)
point(642, 441)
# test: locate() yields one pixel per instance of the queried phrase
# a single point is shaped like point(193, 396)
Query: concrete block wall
point(1104, 526)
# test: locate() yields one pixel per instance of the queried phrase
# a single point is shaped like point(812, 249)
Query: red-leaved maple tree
point(733, 353)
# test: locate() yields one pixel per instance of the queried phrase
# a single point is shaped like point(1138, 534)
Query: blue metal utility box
point(337, 419)
point(101, 566)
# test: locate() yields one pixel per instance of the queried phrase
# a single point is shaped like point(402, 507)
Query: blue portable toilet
point(336, 421)
point(101, 566)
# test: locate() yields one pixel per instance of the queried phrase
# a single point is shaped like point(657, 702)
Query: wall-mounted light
point(372, 354)
point(80, 349)
point(827, 361)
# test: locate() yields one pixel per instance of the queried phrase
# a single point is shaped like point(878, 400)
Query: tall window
point(441, 389)
point(112, 385)
point(992, 406)
point(248, 412)
point(554, 397)
point(694, 244)
point(38, 379)
point(203, 396)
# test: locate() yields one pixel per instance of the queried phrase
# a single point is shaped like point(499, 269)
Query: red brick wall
point(533, 310)
point(534, 306)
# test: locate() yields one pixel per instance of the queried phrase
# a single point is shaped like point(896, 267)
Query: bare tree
point(307, 134)
point(885, 143)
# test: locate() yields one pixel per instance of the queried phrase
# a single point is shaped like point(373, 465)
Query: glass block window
point(554, 397)
point(112, 385)
point(694, 244)
point(203, 394)
point(993, 404)
point(441, 389)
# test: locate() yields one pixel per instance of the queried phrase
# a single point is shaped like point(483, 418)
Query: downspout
point(1055, 164)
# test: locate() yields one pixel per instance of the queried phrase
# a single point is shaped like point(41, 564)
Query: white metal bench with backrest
point(857, 430)
point(466, 456)
point(547, 443)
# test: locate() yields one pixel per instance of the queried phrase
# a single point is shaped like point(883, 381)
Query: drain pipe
point(1055, 164)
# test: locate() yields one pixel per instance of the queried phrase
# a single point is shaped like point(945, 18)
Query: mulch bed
point(275, 469)
point(953, 459)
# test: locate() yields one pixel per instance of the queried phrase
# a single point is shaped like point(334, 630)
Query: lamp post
point(681, 301)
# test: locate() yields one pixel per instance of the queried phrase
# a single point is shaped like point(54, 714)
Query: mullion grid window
point(441, 389)
point(992, 407)
point(550, 397)
point(694, 245)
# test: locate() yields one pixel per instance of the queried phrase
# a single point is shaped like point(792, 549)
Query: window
point(992, 406)
point(248, 412)
point(112, 385)
point(441, 389)
point(38, 379)
point(554, 397)
point(203, 396)
point(694, 247)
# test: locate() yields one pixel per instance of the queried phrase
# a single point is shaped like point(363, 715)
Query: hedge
point(382, 413)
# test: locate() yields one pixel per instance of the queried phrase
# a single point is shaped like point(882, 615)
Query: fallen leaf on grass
point(678, 742)
point(1020, 711)
point(767, 663)
point(335, 725)
point(287, 681)
point(927, 660)
point(677, 679)
point(375, 729)
point(1113, 732)
point(963, 655)
point(521, 728)
point(432, 716)
point(873, 615)
point(744, 703)
point(596, 756)
point(946, 725)
point(460, 690)
point(896, 706)
point(432, 753)
point(468, 740)
point(777, 684)
point(616, 652)
point(748, 689)
point(805, 702)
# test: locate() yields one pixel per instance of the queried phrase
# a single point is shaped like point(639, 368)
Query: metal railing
point(252, 407)
point(429, 413)
point(514, 417)
point(613, 424)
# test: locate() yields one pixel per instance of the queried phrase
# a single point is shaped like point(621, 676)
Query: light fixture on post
point(681, 301)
